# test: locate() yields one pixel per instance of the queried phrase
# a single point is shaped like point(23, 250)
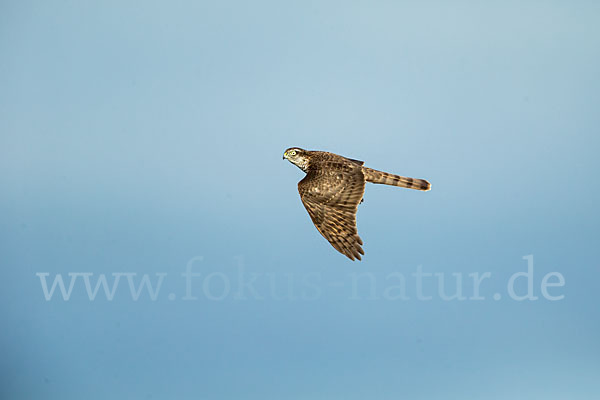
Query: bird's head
point(297, 156)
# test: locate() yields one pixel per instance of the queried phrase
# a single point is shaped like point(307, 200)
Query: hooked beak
point(284, 155)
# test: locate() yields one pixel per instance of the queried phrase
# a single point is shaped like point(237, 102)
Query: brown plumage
point(332, 189)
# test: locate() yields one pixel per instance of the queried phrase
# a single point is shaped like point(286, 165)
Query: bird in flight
point(332, 190)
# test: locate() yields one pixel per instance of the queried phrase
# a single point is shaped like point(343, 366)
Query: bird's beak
point(284, 155)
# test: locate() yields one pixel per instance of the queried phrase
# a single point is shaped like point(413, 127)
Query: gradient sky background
point(135, 137)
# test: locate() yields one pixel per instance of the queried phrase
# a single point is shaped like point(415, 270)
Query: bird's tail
point(374, 176)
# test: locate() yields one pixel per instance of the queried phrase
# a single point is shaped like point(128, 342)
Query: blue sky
point(137, 137)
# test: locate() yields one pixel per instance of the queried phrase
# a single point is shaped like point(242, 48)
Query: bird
point(332, 190)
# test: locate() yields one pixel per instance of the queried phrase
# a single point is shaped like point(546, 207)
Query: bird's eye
point(293, 152)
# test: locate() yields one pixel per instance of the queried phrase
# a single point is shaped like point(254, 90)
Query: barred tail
point(374, 176)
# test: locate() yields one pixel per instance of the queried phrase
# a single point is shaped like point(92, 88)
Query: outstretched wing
point(331, 198)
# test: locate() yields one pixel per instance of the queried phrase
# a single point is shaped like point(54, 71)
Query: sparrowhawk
point(332, 189)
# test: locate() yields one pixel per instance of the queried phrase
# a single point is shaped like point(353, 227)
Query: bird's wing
point(331, 200)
